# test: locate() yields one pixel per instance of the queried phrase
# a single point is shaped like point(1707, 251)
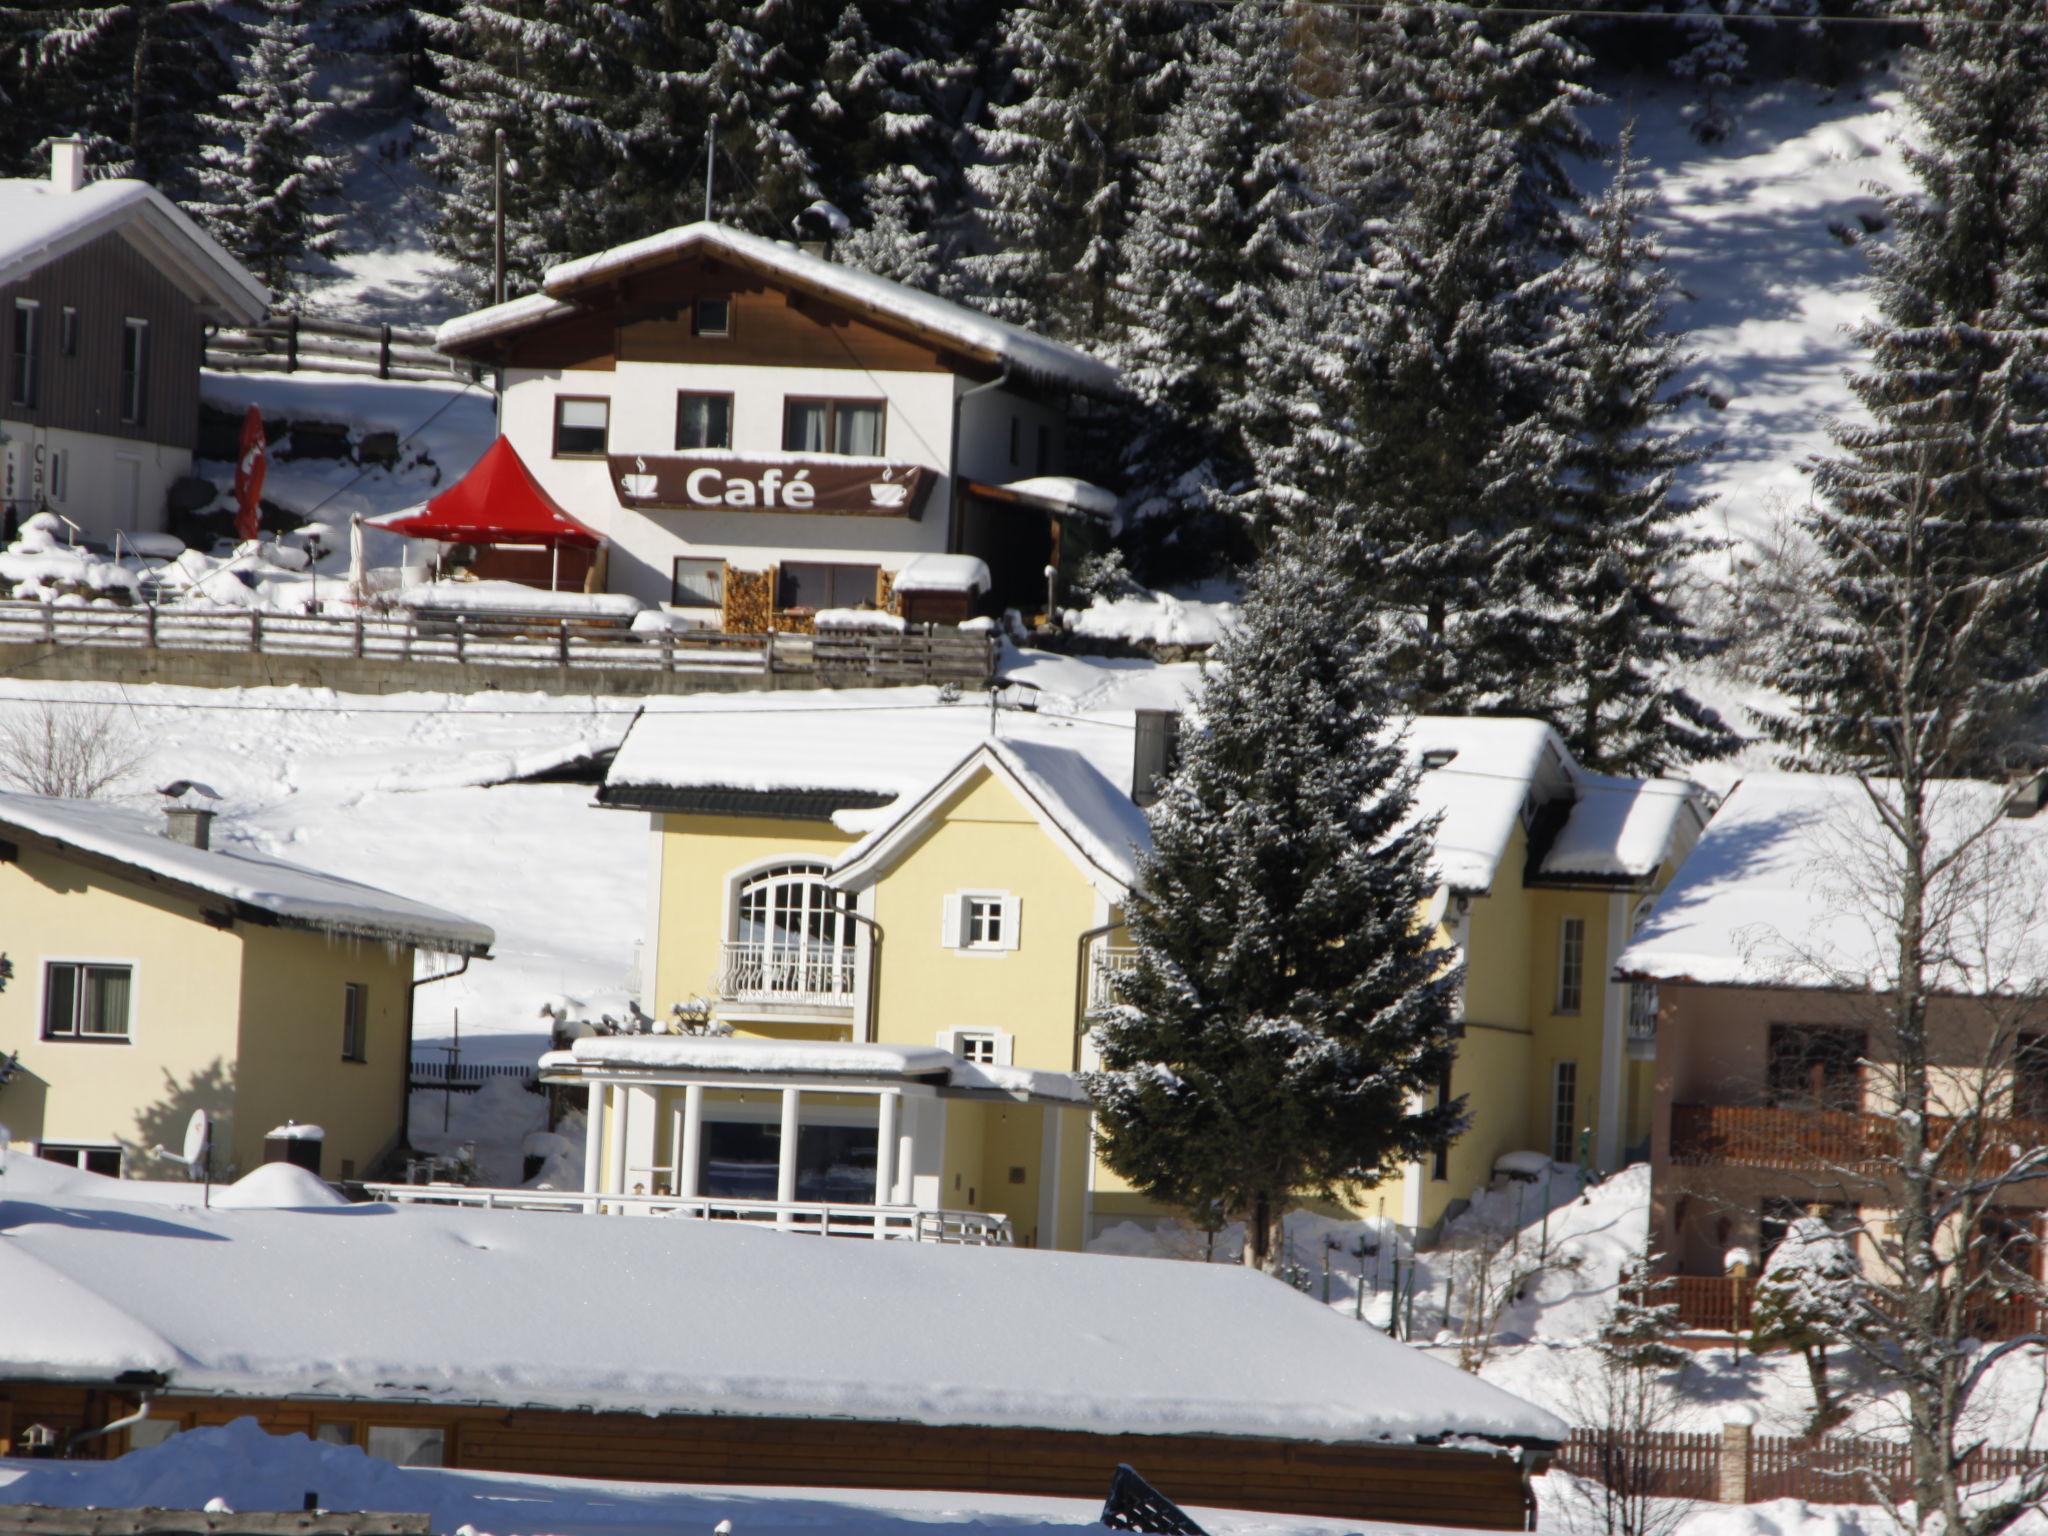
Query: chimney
point(188, 819)
point(2028, 796)
point(1155, 752)
point(67, 164)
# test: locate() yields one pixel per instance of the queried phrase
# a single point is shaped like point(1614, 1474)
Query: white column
point(690, 1141)
point(1607, 1131)
point(785, 1168)
point(593, 1144)
point(1051, 1123)
point(885, 1153)
point(615, 1171)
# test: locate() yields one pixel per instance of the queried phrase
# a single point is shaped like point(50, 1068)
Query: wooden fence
point(293, 342)
point(404, 637)
point(430, 1071)
point(1740, 1466)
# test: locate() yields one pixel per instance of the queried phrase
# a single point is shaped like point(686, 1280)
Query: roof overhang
point(717, 800)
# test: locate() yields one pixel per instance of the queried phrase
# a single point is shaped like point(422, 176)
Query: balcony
point(786, 975)
point(1723, 1304)
point(1748, 1136)
point(1109, 960)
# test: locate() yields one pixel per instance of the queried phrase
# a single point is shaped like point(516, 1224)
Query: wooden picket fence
point(1836, 1469)
point(292, 342)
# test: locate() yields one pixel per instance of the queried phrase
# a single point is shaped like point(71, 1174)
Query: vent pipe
point(67, 164)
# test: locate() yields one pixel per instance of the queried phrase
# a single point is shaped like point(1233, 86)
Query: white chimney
point(67, 164)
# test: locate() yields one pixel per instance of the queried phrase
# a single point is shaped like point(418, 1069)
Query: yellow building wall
point(699, 857)
point(291, 1066)
point(985, 839)
point(1574, 1037)
point(180, 1054)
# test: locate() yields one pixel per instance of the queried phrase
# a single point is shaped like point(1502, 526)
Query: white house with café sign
point(760, 434)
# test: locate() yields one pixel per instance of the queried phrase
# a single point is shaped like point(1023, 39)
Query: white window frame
point(984, 1047)
point(956, 922)
point(80, 1148)
point(107, 962)
point(1571, 965)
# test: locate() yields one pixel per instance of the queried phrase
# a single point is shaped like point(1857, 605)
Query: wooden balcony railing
point(1746, 1136)
point(1724, 1304)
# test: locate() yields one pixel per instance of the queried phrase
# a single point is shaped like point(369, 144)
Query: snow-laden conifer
point(1716, 53)
point(264, 189)
point(1640, 1328)
point(1808, 1297)
point(1287, 1024)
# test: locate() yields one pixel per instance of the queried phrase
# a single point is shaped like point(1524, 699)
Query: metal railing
point(487, 641)
point(1109, 960)
point(802, 975)
point(898, 1223)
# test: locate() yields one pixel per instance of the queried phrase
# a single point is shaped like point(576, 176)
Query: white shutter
point(1012, 907)
point(952, 922)
point(1004, 1041)
point(949, 1040)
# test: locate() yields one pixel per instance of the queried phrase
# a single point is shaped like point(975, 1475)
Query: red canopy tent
point(500, 503)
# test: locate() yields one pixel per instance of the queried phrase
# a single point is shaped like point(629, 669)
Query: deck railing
point(1726, 1303)
point(1110, 960)
point(1748, 1136)
point(816, 1218)
point(802, 975)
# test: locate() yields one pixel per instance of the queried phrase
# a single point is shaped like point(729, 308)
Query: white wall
point(985, 436)
point(109, 483)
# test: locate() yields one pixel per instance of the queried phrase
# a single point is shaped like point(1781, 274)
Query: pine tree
point(261, 183)
point(892, 244)
point(1591, 573)
point(1805, 1300)
point(1950, 477)
point(1286, 1016)
point(1221, 224)
point(1717, 56)
point(1638, 1332)
point(1060, 159)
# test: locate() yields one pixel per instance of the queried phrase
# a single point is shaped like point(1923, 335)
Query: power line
point(1478, 11)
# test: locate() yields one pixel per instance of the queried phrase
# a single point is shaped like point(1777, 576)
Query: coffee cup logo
point(886, 493)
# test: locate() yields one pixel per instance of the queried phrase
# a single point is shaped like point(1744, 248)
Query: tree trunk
point(1817, 1379)
point(1264, 1235)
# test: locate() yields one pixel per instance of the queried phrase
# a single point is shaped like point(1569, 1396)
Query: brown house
point(105, 293)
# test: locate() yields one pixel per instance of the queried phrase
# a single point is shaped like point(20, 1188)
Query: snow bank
point(511, 597)
point(278, 1186)
point(1157, 618)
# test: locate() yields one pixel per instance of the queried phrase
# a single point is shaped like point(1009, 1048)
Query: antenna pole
point(710, 163)
point(498, 217)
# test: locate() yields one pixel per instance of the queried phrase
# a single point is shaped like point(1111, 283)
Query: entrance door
point(127, 493)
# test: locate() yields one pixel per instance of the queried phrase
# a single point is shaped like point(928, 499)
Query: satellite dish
point(198, 1133)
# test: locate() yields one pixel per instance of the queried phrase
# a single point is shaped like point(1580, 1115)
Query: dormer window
point(711, 317)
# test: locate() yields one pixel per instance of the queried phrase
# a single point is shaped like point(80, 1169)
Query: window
point(2030, 1078)
point(834, 1163)
point(978, 1045)
point(1571, 964)
point(85, 1002)
point(404, 1445)
point(1440, 1161)
point(60, 474)
point(698, 584)
point(67, 331)
point(27, 374)
point(1564, 1112)
point(801, 584)
point(334, 1432)
point(983, 920)
point(791, 937)
point(703, 421)
point(134, 372)
point(711, 317)
point(832, 426)
point(582, 426)
point(355, 1021)
point(151, 1432)
point(1815, 1066)
point(91, 1159)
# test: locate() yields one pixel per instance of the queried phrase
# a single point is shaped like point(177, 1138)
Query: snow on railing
point(1110, 960)
point(810, 975)
point(902, 1223)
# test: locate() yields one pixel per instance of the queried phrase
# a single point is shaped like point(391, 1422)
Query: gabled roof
point(575, 286)
point(40, 222)
point(248, 887)
point(510, 1309)
point(497, 502)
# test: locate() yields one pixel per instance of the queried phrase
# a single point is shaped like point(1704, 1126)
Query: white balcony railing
point(898, 1223)
point(802, 975)
point(1110, 960)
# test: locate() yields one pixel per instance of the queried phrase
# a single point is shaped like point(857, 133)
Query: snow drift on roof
point(1102, 819)
point(943, 573)
point(290, 893)
point(40, 223)
point(500, 1307)
point(1037, 357)
point(1494, 767)
point(1782, 887)
point(807, 1058)
point(1619, 828)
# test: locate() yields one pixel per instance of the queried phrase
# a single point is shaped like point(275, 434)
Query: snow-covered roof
point(1053, 493)
point(259, 887)
point(41, 222)
point(981, 336)
point(713, 1055)
point(1785, 886)
point(499, 1308)
point(1622, 829)
point(944, 573)
point(900, 742)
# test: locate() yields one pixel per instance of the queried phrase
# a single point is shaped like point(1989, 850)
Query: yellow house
point(155, 975)
point(900, 869)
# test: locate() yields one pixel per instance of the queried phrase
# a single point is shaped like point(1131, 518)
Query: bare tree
point(71, 751)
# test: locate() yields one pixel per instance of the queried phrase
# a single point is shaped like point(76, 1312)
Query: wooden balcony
point(789, 975)
point(1748, 1136)
point(1724, 1303)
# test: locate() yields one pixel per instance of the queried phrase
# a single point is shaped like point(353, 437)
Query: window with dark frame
point(355, 1021)
point(84, 1001)
point(853, 427)
point(703, 420)
point(134, 372)
point(1571, 965)
point(67, 331)
point(1564, 1111)
point(1440, 1160)
point(1815, 1066)
point(2030, 1078)
point(711, 317)
point(582, 426)
point(697, 583)
point(26, 381)
point(806, 584)
point(88, 1159)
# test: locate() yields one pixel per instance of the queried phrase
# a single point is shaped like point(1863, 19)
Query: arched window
point(791, 936)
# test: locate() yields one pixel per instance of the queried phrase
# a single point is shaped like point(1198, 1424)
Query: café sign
point(707, 482)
